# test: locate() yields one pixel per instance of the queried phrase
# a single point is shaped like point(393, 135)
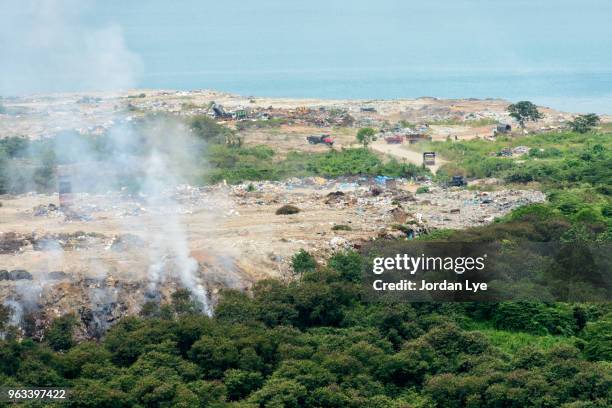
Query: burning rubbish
point(134, 249)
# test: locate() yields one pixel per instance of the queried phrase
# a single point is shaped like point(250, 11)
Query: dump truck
point(417, 137)
point(395, 139)
point(429, 158)
point(320, 139)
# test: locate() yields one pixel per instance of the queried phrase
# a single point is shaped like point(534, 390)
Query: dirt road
point(402, 153)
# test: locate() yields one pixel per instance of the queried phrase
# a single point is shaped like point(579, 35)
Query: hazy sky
point(246, 44)
point(276, 35)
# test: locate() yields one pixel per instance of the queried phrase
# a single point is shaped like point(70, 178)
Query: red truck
point(395, 139)
point(321, 139)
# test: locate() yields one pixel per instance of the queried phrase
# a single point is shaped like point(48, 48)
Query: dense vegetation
point(318, 342)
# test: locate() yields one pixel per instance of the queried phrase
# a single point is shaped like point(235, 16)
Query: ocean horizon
point(573, 92)
point(553, 52)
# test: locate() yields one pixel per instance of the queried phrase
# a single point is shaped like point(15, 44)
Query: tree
point(44, 174)
point(279, 392)
point(59, 334)
point(365, 136)
point(584, 123)
point(598, 337)
point(348, 264)
point(524, 111)
point(241, 383)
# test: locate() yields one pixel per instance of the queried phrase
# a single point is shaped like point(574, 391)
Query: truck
point(502, 128)
point(457, 181)
point(429, 158)
point(320, 139)
point(395, 139)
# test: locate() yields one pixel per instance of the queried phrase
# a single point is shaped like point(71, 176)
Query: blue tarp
point(382, 180)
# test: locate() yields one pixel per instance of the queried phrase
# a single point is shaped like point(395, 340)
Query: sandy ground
point(403, 153)
point(235, 234)
point(290, 138)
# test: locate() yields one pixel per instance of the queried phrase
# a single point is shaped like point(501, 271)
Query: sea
point(556, 53)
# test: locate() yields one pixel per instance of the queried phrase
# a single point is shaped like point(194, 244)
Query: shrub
point(422, 190)
point(207, 129)
point(349, 264)
point(303, 262)
point(341, 227)
point(287, 210)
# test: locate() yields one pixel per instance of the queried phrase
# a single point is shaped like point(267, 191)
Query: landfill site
point(103, 255)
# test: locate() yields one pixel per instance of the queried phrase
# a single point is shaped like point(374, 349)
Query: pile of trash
point(514, 151)
point(16, 274)
point(45, 210)
point(457, 208)
point(12, 242)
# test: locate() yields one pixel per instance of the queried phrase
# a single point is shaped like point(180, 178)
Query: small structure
point(429, 158)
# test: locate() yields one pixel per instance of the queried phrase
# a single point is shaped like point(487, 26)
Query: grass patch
point(260, 124)
point(460, 122)
point(237, 164)
point(558, 160)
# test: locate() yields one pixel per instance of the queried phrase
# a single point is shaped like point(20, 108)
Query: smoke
point(171, 237)
point(56, 46)
point(148, 160)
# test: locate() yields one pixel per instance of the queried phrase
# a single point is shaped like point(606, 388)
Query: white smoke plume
point(54, 46)
point(48, 46)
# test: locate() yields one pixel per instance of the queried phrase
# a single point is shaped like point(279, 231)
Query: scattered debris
point(58, 275)
point(518, 150)
point(125, 242)
point(44, 210)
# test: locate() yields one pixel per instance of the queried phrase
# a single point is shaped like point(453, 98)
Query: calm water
point(554, 52)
